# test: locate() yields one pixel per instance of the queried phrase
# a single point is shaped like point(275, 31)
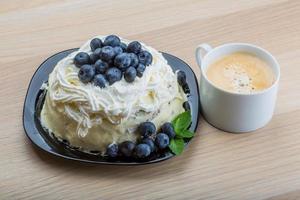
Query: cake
point(93, 114)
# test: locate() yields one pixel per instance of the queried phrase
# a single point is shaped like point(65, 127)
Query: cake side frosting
point(92, 117)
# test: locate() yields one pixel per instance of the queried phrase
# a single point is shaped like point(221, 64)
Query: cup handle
point(201, 51)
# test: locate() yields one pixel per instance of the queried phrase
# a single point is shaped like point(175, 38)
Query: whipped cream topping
point(89, 105)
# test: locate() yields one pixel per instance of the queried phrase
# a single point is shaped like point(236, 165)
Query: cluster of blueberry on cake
point(149, 141)
point(110, 60)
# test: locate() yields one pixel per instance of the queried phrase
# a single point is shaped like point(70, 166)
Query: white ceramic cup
point(233, 112)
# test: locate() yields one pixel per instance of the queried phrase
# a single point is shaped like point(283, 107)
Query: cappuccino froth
point(241, 72)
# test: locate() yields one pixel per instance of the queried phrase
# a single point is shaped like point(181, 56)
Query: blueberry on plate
point(123, 46)
point(86, 73)
point(134, 59)
point(162, 140)
point(122, 61)
point(130, 74)
point(100, 81)
point(107, 53)
point(93, 57)
point(81, 58)
point(186, 106)
point(168, 129)
point(113, 75)
point(140, 70)
point(150, 142)
point(145, 58)
point(101, 67)
point(134, 47)
point(181, 78)
point(146, 129)
point(95, 43)
point(118, 50)
point(112, 40)
point(142, 150)
point(186, 88)
point(112, 150)
point(126, 148)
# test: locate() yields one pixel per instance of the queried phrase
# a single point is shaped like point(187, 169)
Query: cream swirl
point(89, 105)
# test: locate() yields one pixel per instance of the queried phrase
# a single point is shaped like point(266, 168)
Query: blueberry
point(122, 61)
point(140, 70)
point(186, 88)
point(181, 78)
point(107, 53)
point(95, 43)
point(145, 58)
point(134, 60)
point(186, 105)
point(126, 148)
point(142, 150)
point(150, 142)
point(112, 150)
point(162, 140)
point(168, 129)
point(81, 58)
point(134, 47)
point(123, 46)
point(146, 129)
point(118, 50)
point(86, 73)
point(112, 40)
point(93, 58)
point(100, 81)
point(110, 63)
point(97, 52)
point(101, 67)
point(113, 75)
point(130, 74)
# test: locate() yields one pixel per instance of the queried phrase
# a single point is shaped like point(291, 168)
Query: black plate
point(43, 140)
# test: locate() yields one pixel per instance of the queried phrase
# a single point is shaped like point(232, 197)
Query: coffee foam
point(241, 72)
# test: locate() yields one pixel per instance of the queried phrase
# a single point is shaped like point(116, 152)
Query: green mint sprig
point(181, 124)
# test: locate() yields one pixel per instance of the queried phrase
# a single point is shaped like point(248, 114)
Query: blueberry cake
point(111, 96)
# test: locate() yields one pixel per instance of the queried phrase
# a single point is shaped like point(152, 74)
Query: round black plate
point(44, 140)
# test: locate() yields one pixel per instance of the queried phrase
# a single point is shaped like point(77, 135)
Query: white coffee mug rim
point(242, 44)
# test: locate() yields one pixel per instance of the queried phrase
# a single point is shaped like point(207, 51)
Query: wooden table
point(217, 165)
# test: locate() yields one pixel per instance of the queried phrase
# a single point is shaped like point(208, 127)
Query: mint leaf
point(179, 116)
point(177, 145)
point(182, 121)
point(174, 120)
point(180, 124)
point(185, 134)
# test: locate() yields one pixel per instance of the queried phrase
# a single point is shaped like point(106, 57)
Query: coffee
point(241, 72)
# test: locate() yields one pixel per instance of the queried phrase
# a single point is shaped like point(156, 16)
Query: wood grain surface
point(217, 165)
